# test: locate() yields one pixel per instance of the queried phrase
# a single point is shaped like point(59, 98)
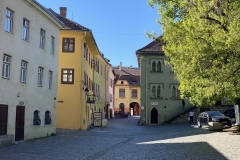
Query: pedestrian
point(191, 114)
point(183, 105)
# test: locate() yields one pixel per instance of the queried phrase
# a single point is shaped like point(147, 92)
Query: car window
point(215, 114)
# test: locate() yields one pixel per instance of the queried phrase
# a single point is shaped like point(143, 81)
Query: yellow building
point(127, 90)
point(79, 56)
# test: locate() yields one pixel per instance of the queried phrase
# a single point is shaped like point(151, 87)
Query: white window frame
point(42, 38)
point(177, 92)
point(6, 67)
point(156, 91)
point(25, 30)
point(52, 45)
point(156, 65)
point(8, 26)
point(23, 73)
point(50, 76)
point(40, 76)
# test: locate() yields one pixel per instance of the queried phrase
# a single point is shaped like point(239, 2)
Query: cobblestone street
point(124, 139)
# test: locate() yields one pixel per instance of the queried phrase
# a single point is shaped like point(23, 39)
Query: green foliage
point(203, 45)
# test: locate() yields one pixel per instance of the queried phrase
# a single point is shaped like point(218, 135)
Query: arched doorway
point(121, 108)
point(154, 116)
point(134, 108)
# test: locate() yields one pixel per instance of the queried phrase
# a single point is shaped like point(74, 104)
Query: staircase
point(183, 118)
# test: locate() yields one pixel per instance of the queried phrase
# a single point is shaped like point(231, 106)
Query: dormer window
point(122, 82)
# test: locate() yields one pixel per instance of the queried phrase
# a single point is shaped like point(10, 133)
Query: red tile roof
point(69, 24)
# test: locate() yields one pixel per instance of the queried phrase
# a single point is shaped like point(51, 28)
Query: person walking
point(191, 114)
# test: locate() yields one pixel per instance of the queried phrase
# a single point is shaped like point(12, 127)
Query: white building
point(111, 95)
point(29, 68)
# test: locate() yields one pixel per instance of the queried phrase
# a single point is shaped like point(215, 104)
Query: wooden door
point(19, 130)
point(3, 119)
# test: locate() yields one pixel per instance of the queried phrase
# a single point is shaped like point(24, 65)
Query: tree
point(203, 44)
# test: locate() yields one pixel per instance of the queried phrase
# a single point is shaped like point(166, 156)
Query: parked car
point(230, 113)
point(213, 116)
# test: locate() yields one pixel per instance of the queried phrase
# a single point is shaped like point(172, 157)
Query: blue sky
point(118, 26)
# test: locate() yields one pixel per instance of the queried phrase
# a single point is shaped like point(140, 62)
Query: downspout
point(80, 73)
point(146, 89)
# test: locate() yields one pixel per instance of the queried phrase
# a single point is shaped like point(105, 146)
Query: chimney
point(63, 11)
point(120, 66)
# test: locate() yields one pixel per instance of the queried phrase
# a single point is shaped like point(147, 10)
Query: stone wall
point(6, 140)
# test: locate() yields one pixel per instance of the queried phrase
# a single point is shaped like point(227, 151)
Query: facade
point(82, 76)
point(127, 90)
point(29, 69)
point(111, 93)
point(160, 97)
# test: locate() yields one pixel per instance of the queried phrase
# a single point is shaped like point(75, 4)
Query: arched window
point(153, 91)
point(121, 108)
point(36, 118)
point(48, 119)
point(159, 92)
point(154, 66)
point(159, 66)
point(178, 93)
point(173, 92)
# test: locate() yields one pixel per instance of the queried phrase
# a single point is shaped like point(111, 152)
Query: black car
point(230, 113)
point(213, 116)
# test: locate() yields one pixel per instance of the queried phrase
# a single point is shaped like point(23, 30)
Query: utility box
point(215, 126)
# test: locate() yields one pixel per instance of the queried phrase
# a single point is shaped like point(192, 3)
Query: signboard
point(97, 119)
point(154, 103)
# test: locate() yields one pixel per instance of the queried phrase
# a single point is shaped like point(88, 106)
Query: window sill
point(134, 97)
point(156, 71)
point(156, 97)
point(175, 98)
point(121, 97)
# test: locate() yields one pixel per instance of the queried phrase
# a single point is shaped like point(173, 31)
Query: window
point(23, 73)
point(68, 44)
point(122, 82)
point(67, 76)
point(3, 119)
point(36, 118)
point(134, 93)
point(50, 80)
point(48, 119)
point(156, 91)
point(153, 66)
point(89, 58)
point(156, 65)
point(6, 67)
point(9, 21)
point(175, 92)
point(87, 55)
point(40, 76)
point(101, 69)
point(153, 91)
point(159, 66)
point(85, 49)
point(42, 38)
point(25, 30)
point(52, 45)
point(121, 92)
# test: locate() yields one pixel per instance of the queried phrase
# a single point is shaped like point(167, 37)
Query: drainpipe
point(80, 73)
point(146, 89)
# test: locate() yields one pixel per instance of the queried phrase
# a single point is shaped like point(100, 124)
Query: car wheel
point(199, 124)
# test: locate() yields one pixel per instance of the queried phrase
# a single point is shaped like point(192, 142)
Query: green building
point(160, 97)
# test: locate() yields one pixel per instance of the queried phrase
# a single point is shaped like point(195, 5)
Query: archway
point(121, 108)
point(154, 116)
point(134, 109)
